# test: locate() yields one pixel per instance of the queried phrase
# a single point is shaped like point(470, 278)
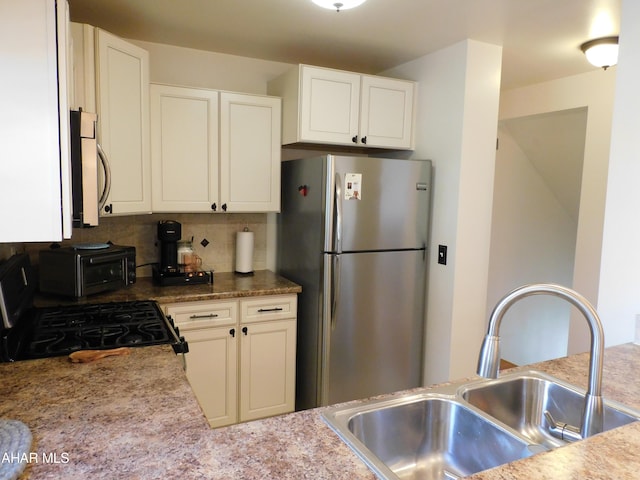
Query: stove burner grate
point(65, 329)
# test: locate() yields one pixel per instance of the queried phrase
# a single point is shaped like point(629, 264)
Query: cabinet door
point(211, 330)
point(386, 115)
point(329, 106)
point(267, 366)
point(34, 155)
point(184, 149)
point(249, 153)
point(212, 372)
point(123, 122)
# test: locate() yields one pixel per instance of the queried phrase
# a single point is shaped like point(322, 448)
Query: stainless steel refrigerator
point(353, 232)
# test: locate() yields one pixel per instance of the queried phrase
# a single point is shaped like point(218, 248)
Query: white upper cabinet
point(123, 116)
point(184, 149)
point(35, 199)
point(214, 151)
point(111, 77)
point(249, 153)
point(386, 112)
point(327, 106)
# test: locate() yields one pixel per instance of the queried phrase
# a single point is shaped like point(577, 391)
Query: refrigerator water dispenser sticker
point(353, 184)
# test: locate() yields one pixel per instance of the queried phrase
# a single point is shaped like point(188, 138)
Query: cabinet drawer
point(260, 309)
point(196, 315)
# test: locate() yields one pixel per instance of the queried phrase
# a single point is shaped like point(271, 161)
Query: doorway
point(537, 185)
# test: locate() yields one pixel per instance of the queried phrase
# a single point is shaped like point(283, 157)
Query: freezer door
point(373, 324)
point(300, 259)
point(377, 204)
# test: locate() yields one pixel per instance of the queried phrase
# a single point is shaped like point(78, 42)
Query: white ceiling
point(540, 38)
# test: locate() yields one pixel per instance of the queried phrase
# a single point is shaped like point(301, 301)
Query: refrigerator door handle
point(335, 289)
point(338, 200)
point(324, 344)
point(331, 297)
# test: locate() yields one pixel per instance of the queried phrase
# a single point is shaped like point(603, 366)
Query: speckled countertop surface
point(135, 417)
point(225, 285)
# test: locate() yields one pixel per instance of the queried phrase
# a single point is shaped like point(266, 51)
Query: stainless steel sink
point(520, 400)
point(425, 437)
point(463, 428)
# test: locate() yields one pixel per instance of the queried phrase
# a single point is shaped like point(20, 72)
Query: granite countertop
point(225, 285)
point(135, 417)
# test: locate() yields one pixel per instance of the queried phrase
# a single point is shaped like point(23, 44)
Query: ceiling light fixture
point(338, 4)
point(601, 52)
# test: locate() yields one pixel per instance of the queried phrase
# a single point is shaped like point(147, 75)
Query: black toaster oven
point(86, 269)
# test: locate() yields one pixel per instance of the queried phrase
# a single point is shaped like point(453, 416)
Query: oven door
point(100, 273)
point(17, 285)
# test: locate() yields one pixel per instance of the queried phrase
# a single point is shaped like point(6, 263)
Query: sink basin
point(425, 436)
point(519, 401)
point(463, 428)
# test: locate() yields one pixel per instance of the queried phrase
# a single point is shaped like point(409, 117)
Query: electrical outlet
point(442, 254)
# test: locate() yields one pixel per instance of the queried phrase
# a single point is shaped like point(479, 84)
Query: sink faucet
point(489, 360)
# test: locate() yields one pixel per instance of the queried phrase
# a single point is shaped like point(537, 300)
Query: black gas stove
point(29, 333)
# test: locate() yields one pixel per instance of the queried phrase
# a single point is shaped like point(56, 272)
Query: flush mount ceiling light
point(338, 4)
point(601, 52)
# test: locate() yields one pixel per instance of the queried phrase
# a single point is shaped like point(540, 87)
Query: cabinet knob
point(224, 207)
point(214, 207)
point(245, 330)
point(108, 208)
point(364, 140)
point(354, 139)
point(232, 332)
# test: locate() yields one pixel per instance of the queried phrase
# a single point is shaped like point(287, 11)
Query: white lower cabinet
point(241, 360)
point(211, 328)
point(216, 387)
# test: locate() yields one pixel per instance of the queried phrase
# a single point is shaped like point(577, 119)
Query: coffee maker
point(169, 232)
point(169, 271)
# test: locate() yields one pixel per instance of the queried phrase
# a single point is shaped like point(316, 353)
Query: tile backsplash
point(140, 231)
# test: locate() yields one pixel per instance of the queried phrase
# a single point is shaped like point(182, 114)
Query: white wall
point(595, 91)
point(532, 240)
point(199, 68)
point(619, 296)
point(456, 128)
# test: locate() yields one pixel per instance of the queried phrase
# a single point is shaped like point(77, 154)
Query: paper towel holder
point(244, 252)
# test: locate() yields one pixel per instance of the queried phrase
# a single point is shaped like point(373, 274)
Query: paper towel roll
point(244, 252)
